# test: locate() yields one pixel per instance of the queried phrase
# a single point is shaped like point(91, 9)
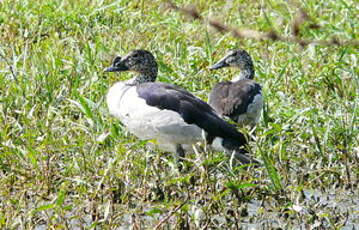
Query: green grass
point(56, 172)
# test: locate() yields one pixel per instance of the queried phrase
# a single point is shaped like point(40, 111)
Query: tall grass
point(64, 162)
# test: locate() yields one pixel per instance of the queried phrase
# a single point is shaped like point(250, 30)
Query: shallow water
point(326, 208)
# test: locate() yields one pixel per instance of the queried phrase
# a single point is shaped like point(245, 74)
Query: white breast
point(253, 113)
point(148, 122)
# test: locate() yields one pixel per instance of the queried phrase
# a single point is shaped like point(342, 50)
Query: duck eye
point(231, 59)
point(116, 60)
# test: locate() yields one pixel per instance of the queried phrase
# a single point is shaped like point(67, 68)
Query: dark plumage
point(165, 112)
point(240, 99)
point(192, 109)
point(232, 99)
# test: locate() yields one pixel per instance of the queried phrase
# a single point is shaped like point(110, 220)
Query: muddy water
point(315, 210)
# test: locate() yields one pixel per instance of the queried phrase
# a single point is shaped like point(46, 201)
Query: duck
point(240, 99)
point(167, 114)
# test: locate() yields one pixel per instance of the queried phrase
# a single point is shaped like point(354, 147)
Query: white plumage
point(167, 113)
point(254, 109)
point(148, 122)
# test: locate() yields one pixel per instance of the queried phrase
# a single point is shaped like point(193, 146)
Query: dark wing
point(192, 109)
point(232, 99)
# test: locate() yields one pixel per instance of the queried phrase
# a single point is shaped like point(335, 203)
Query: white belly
point(148, 122)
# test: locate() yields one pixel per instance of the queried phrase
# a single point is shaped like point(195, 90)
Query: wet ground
point(312, 210)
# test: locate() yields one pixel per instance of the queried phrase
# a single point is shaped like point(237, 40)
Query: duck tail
point(238, 151)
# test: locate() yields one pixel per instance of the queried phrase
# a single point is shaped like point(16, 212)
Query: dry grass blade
point(190, 11)
point(10, 66)
point(298, 21)
point(271, 35)
point(171, 214)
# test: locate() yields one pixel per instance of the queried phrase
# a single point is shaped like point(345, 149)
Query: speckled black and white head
point(140, 61)
point(172, 116)
point(237, 58)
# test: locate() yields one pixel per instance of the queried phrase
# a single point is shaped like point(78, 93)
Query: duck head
point(140, 61)
point(237, 58)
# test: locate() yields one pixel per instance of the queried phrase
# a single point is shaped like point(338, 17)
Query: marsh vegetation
point(65, 163)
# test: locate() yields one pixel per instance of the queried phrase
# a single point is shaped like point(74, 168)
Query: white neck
point(245, 73)
point(237, 78)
